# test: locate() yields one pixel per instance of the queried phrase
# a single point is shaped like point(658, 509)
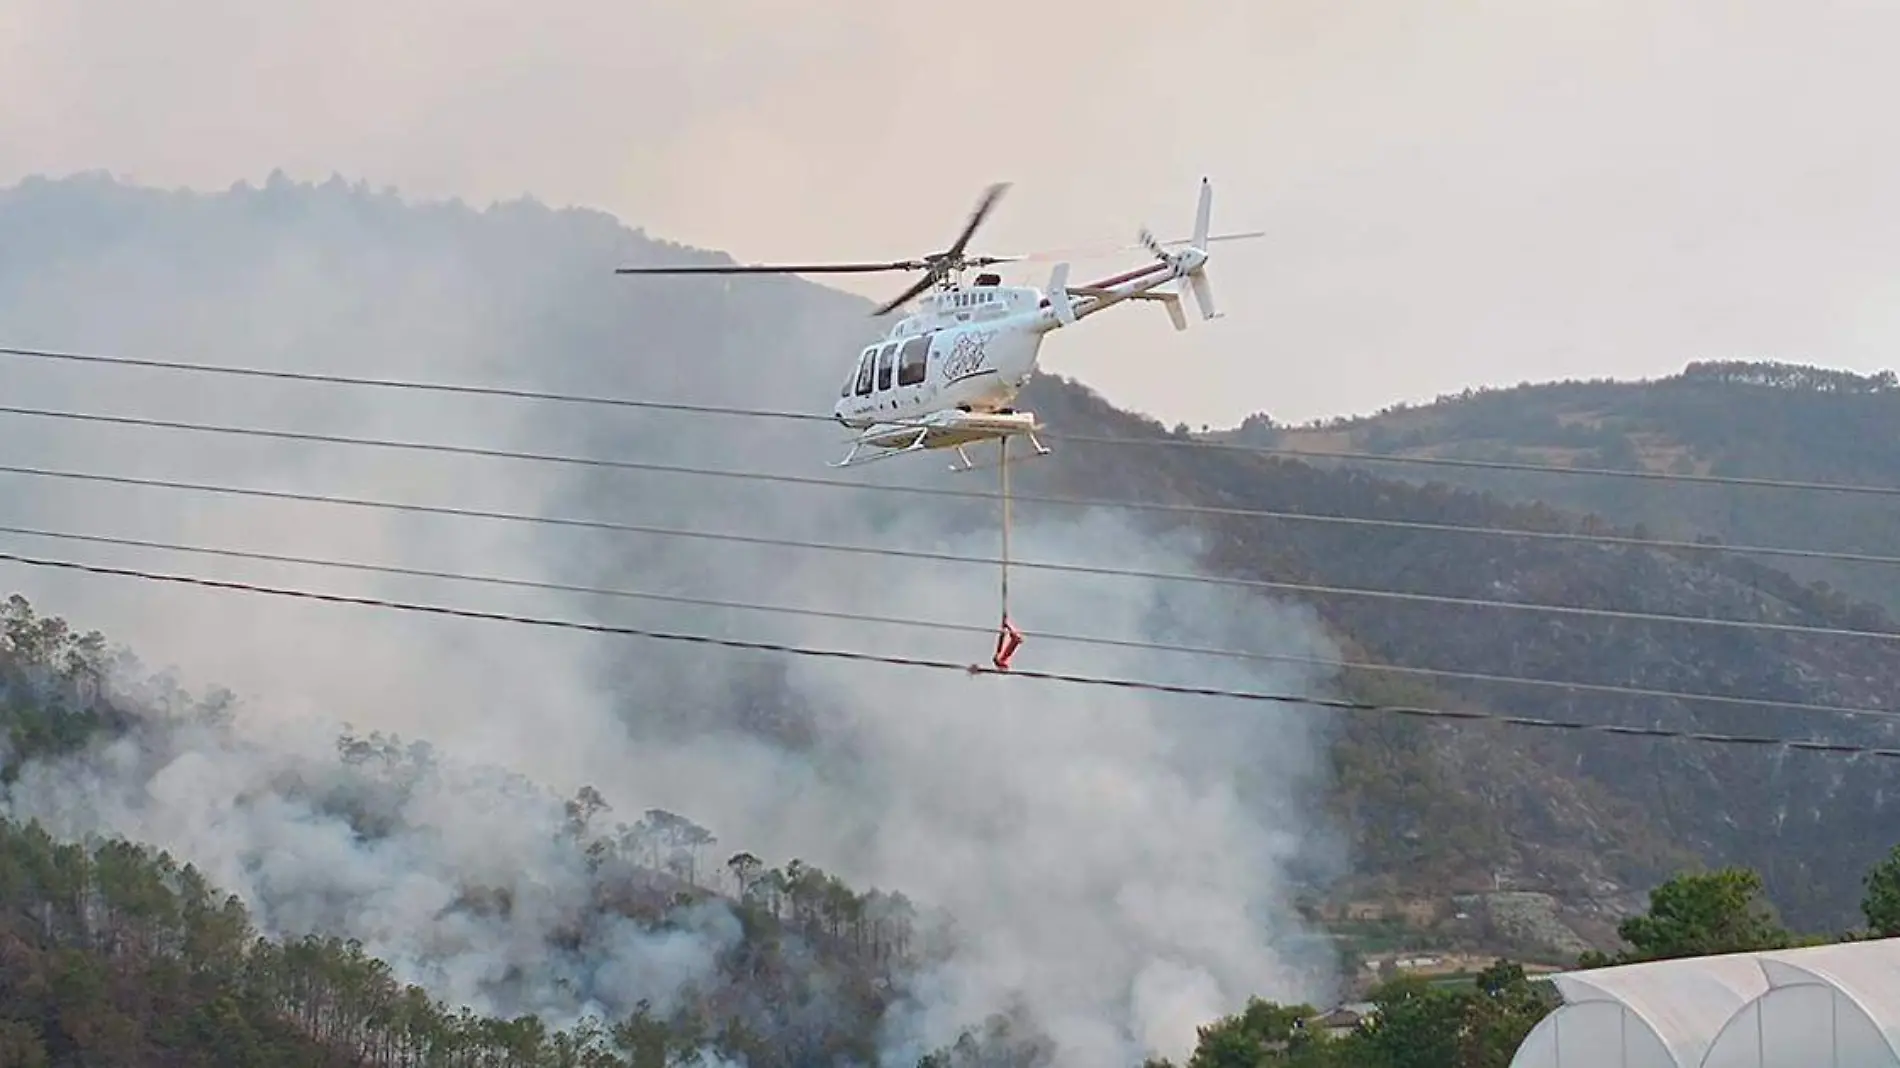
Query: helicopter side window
point(866, 364)
point(885, 363)
point(914, 361)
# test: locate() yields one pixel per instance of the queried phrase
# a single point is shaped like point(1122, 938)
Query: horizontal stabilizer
point(1172, 301)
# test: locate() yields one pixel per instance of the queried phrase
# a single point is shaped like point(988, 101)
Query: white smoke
point(260, 817)
point(1119, 864)
point(1116, 859)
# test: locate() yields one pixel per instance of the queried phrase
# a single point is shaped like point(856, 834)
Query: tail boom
point(1188, 267)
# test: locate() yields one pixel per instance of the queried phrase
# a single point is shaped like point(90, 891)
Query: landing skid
point(968, 465)
point(946, 430)
point(916, 444)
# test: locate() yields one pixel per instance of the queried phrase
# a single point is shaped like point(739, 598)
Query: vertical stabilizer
point(1058, 294)
point(1203, 215)
point(1196, 281)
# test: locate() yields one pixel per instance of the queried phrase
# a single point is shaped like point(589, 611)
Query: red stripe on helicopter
point(1127, 276)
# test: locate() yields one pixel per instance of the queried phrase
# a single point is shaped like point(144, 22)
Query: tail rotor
point(1192, 260)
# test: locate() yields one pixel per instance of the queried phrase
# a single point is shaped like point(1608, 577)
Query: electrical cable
point(917, 554)
point(1316, 457)
point(398, 383)
point(1336, 704)
point(1658, 544)
point(1093, 439)
point(944, 625)
point(1072, 501)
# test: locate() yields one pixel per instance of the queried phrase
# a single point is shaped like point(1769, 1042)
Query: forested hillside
point(1558, 811)
point(1764, 420)
point(1099, 872)
point(112, 952)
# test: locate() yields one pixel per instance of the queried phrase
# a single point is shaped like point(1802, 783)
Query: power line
point(1092, 439)
point(1658, 544)
point(1315, 456)
point(1337, 704)
point(858, 617)
point(917, 554)
point(398, 383)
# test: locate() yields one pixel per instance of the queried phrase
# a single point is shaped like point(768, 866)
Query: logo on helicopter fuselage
point(967, 355)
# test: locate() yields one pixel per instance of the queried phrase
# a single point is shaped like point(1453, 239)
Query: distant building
point(1343, 1019)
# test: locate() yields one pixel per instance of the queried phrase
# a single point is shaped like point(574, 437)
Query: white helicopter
point(948, 374)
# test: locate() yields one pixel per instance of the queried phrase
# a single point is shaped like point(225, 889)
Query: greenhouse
point(1825, 1007)
point(1819, 1007)
point(1662, 1014)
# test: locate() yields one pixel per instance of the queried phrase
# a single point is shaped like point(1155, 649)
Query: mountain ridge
point(1740, 419)
point(1266, 807)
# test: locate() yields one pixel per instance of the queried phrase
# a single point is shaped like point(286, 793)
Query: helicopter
point(947, 375)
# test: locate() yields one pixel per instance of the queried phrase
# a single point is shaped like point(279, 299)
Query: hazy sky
point(1457, 194)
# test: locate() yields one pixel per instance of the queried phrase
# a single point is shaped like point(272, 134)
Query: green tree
point(1698, 914)
point(1499, 1013)
point(1261, 1030)
point(1881, 905)
point(1417, 1025)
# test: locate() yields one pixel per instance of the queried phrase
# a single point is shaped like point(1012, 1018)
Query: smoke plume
point(1118, 865)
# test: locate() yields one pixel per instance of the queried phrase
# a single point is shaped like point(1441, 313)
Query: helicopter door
point(851, 380)
point(866, 364)
point(886, 367)
point(886, 375)
point(913, 366)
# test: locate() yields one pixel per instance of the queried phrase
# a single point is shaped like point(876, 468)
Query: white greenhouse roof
point(1661, 1014)
point(1815, 1007)
point(1826, 1006)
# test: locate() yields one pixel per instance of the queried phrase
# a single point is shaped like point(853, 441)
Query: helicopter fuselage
point(948, 374)
point(969, 350)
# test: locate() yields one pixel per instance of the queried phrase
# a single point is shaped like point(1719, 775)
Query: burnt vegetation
point(1806, 822)
point(113, 953)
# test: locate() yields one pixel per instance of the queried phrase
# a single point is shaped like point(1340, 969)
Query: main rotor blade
point(785, 268)
point(1076, 252)
point(1238, 236)
point(916, 287)
point(983, 209)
